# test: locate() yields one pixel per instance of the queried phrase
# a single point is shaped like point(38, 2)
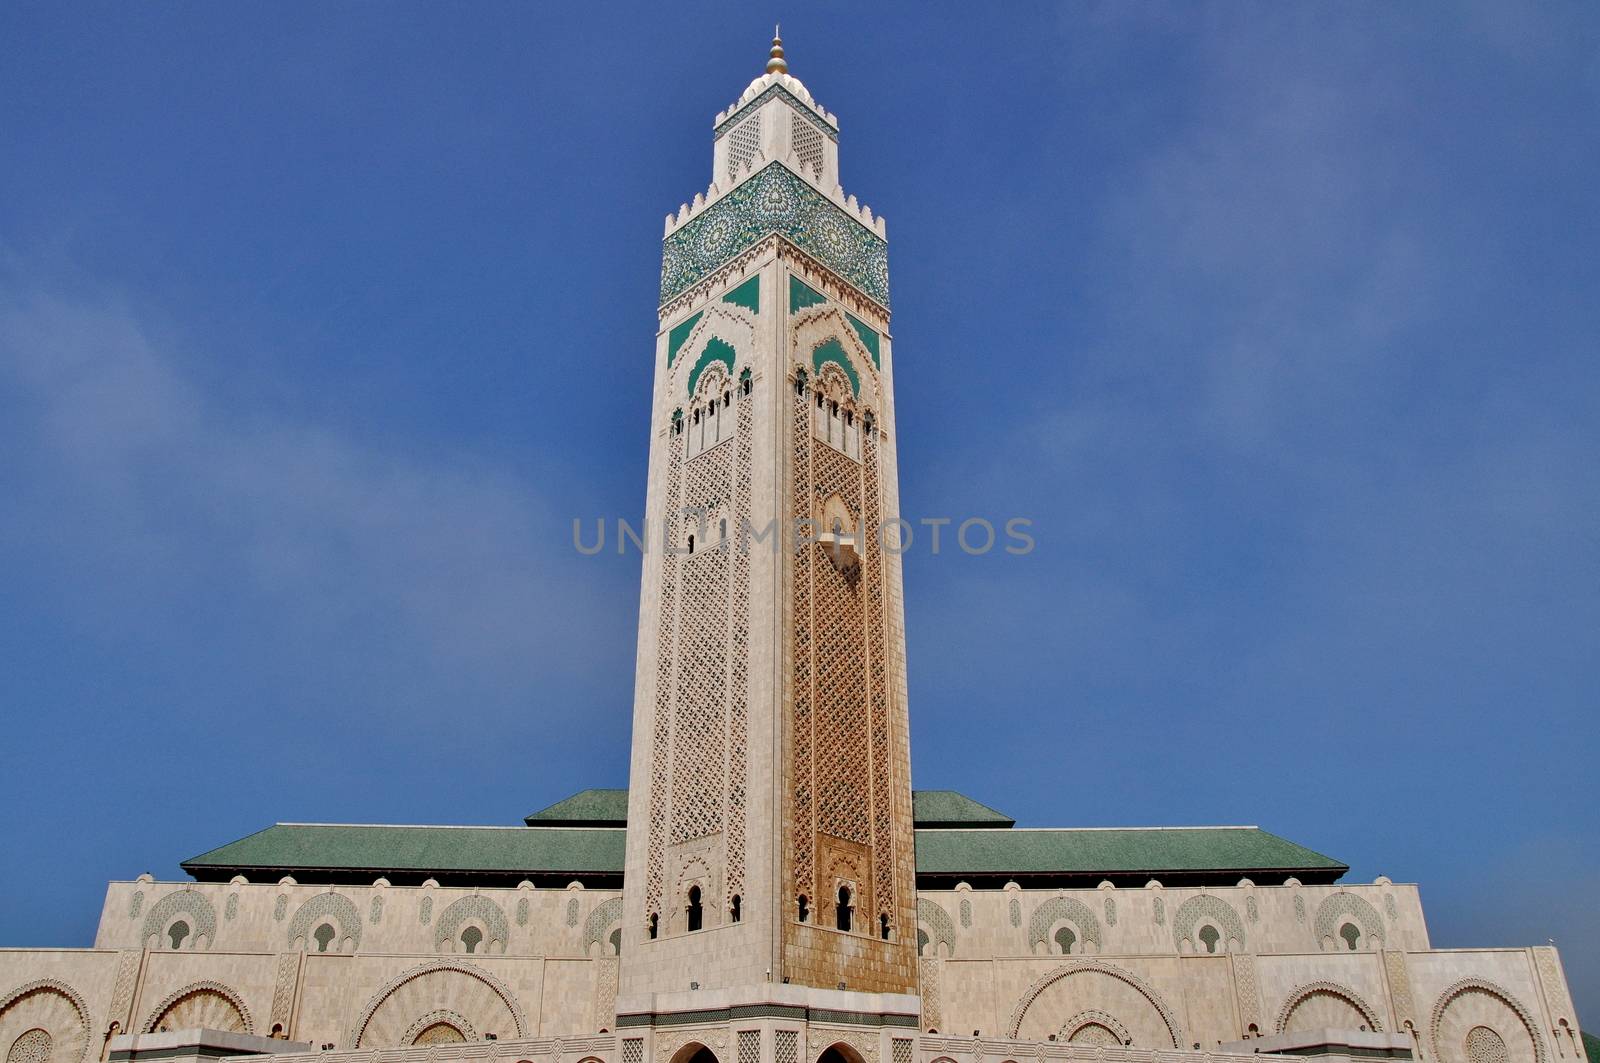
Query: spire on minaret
point(775, 64)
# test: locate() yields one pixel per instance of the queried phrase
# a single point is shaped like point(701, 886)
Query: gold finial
point(776, 65)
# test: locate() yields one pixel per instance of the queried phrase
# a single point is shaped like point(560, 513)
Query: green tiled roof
point(947, 808)
point(590, 808)
point(352, 851)
point(1591, 1046)
point(1155, 850)
point(289, 847)
point(609, 808)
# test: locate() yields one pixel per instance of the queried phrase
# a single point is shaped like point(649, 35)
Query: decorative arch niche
point(1319, 1005)
point(208, 1004)
point(53, 1007)
point(1088, 990)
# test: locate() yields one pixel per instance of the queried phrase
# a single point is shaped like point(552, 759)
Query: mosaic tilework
point(776, 201)
point(1111, 912)
point(1016, 912)
point(375, 914)
point(572, 911)
point(965, 912)
point(522, 911)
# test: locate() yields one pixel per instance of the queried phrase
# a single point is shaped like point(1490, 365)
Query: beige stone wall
point(427, 920)
point(1158, 921)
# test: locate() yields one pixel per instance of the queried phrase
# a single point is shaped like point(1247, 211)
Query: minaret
point(769, 818)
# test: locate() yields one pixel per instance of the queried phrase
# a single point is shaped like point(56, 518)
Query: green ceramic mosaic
point(679, 334)
point(747, 295)
point(715, 351)
point(869, 338)
point(776, 201)
point(833, 351)
point(802, 295)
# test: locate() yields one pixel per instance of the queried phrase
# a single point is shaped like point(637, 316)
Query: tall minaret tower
point(769, 817)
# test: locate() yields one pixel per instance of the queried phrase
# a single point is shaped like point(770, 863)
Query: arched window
point(177, 932)
point(733, 909)
point(883, 927)
point(1066, 939)
point(804, 907)
point(695, 911)
point(842, 921)
point(471, 938)
point(323, 936)
point(922, 940)
point(655, 924)
point(1351, 934)
point(616, 941)
point(800, 384)
point(1209, 936)
point(691, 542)
point(744, 382)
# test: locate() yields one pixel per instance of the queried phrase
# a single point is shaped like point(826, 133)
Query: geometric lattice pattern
point(1341, 906)
point(786, 1046)
point(193, 906)
point(702, 656)
point(1207, 909)
point(32, 1047)
point(743, 143)
point(1056, 909)
point(806, 140)
point(750, 1046)
point(475, 909)
point(1485, 1046)
point(326, 906)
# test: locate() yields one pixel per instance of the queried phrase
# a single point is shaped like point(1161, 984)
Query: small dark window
point(883, 927)
point(722, 528)
point(1351, 934)
point(819, 400)
point(733, 909)
point(616, 941)
point(691, 544)
point(655, 923)
point(849, 417)
point(727, 399)
point(1209, 937)
point(745, 383)
point(805, 908)
point(696, 912)
point(1066, 939)
point(471, 938)
point(833, 408)
point(922, 940)
point(842, 921)
point(324, 937)
point(177, 932)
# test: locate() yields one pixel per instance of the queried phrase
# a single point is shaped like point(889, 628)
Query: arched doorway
point(694, 1052)
point(839, 1053)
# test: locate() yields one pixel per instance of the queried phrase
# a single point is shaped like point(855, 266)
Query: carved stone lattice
point(932, 1017)
point(1303, 994)
point(661, 736)
point(283, 990)
point(331, 907)
point(1338, 908)
point(474, 909)
point(1405, 1008)
point(211, 1005)
point(122, 992)
point(1244, 980)
point(786, 1046)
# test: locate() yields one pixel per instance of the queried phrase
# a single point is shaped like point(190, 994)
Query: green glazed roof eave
point(1113, 851)
point(348, 846)
point(974, 852)
point(594, 807)
point(949, 808)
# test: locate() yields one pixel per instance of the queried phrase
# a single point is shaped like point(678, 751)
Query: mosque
point(770, 889)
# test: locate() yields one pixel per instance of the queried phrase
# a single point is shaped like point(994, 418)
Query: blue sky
point(318, 325)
